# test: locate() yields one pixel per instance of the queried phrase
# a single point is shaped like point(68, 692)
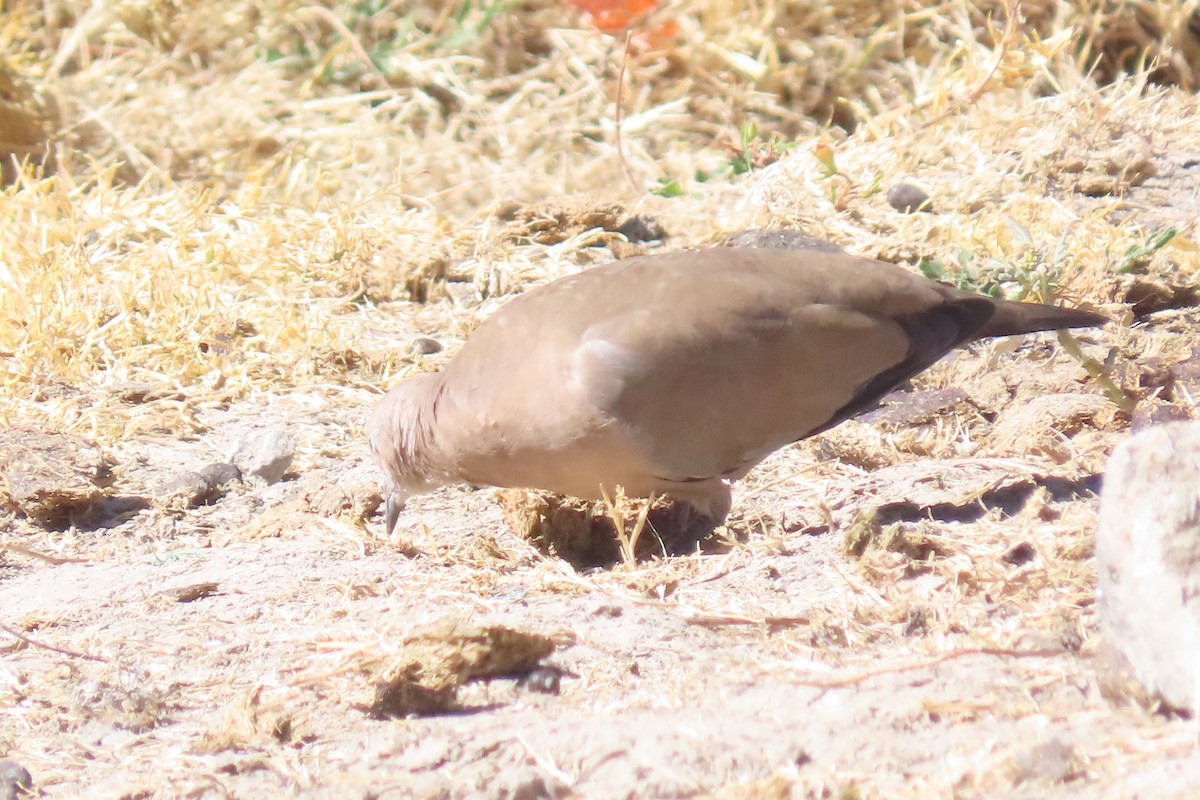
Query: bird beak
point(395, 504)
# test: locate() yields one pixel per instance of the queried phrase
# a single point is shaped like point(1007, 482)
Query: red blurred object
point(614, 16)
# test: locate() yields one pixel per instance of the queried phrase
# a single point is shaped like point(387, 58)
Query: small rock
point(1019, 554)
point(639, 228)
point(543, 680)
point(621, 248)
point(264, 455)
point(1053, 761)
point(220, 477)
point(15, 781)
point(1148, 560)
point(425, 346)
point(182, 492)
point(192, 489)
point(908, 199)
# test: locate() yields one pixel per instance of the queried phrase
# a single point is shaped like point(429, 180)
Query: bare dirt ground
point(259, 227)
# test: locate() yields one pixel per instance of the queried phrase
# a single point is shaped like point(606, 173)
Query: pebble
point(205, 487)
point(639, 228)
point(1052, 761)
point(15, 781)
point(425, 346)
point(908, 199)
point(543, 680)
point(264, 455)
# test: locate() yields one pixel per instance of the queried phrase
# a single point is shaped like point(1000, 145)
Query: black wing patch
point(931, 334)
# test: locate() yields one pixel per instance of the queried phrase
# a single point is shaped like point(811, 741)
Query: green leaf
point(931, 269)
point(748, 133)
point(667, 187)
point(1137, 256)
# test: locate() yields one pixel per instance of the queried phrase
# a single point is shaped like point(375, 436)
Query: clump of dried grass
point(603, 533)
point(26, 114)
point(436, 660)
point(259, 717)
point(55, 479)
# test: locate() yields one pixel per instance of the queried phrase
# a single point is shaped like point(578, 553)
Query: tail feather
point(1011, 319)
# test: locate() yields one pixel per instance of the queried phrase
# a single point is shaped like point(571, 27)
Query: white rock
point(1148, 560)
point(264, 454)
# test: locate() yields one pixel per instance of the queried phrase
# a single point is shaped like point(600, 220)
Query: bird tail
point(1012, 319)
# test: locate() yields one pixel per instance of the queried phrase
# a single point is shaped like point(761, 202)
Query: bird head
point(398, 433)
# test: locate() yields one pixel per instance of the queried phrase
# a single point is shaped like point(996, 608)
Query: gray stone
point(1148, 560)
point(908, 198)
point(264, 455)
point(15, 781)
point(219, 477)
point(192, 489)
point(425, 346)
point(184, 491)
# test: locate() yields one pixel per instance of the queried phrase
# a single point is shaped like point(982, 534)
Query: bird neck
point(421, 460)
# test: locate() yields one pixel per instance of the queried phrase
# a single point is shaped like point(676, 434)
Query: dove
point(675, 374)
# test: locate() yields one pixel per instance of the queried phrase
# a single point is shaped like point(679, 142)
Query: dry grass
point(229, 202)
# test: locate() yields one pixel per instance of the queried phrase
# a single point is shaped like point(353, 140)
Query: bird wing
point(752, 356)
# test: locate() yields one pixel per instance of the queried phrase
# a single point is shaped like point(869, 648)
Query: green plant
point(750, 153)
point(1137, 257)
point(667, 187)
point(471, 19)
point(753, 153)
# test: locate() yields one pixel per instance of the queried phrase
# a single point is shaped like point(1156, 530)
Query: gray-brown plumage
point(676, 374)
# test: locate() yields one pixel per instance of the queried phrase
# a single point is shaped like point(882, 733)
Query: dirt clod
point(53, 478)
point(434, 663)
point(554, 221)
point(256, 718)
point(138, 392)
point(350, 501)
point(193, 591)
